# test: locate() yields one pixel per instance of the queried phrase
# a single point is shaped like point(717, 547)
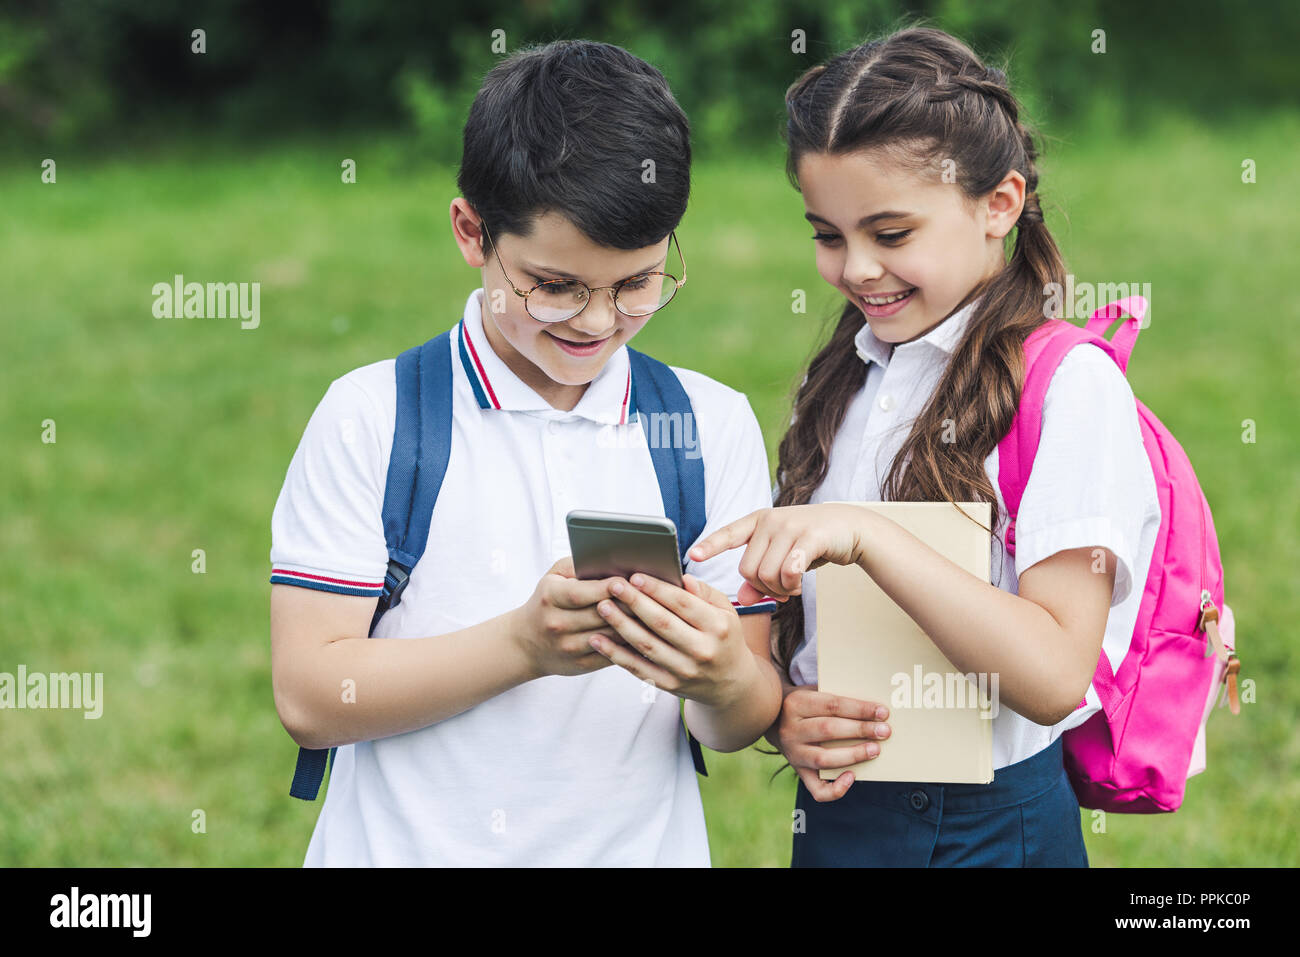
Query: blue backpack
point(421, 448)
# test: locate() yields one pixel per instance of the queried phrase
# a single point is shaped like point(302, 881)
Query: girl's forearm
point(979, 627)
point(360, 689)
point(743, 720)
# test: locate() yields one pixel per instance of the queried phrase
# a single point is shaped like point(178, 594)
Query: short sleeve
point(1091, 485)
point(327, 527)
point(736, 484)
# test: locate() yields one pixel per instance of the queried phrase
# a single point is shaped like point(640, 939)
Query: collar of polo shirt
point(607, 400)
point(943, 337)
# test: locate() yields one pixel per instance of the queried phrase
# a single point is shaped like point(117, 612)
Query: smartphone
point(605, 544)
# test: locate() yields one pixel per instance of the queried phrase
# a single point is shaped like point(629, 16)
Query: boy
point(505, 712)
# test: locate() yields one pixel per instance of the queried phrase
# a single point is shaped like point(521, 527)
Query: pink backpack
point(1136, 754)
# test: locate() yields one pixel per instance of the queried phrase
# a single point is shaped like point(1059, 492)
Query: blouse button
point(886, 402)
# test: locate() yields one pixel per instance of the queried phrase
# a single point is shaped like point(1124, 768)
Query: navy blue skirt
point(1027, 817)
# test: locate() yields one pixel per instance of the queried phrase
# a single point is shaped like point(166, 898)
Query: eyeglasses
point(556, 300)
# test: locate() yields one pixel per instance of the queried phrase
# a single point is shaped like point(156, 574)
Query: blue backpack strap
point(418, 462)
point(416, 467)
point(656, 389)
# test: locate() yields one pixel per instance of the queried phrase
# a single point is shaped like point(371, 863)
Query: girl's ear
point(1003, 205)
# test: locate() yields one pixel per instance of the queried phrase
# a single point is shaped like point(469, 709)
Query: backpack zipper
point(1209, 623)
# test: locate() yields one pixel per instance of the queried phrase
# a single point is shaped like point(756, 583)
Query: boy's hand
point(809, 717)
point(688, 641)
point(783, 543)
point(554, 627)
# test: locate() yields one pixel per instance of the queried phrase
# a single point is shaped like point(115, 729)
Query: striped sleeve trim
point(341, 586)
point(768, 607)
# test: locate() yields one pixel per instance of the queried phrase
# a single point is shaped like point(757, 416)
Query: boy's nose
point(599, 318)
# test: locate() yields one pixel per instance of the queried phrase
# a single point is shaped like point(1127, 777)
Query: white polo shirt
point(588, 770)
point(1091, 486)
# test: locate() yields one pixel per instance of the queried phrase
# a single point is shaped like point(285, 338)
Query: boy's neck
point(557, 394)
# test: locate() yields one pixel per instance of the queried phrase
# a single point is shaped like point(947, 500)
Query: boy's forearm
point(742, 721)
point(769, 734)
point(360, 689)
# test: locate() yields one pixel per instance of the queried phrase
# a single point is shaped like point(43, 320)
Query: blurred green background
point(174, 435)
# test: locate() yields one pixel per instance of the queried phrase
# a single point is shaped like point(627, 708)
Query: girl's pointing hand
point(783, 543)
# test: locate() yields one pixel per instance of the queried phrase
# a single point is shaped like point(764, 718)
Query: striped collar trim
point(488, 396)
point(629, 400)
point(474, 371)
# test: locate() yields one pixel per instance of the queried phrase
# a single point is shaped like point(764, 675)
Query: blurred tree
point(95, 70)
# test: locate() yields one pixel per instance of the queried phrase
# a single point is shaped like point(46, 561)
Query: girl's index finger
point(726, 538)
point(749, 595)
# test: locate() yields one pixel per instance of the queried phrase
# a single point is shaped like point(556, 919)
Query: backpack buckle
point(395, 582)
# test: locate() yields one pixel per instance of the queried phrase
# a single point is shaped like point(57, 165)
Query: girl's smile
point(884, 305)
point(904, 246)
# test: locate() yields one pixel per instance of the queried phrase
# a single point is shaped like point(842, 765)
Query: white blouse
point(1091, 486)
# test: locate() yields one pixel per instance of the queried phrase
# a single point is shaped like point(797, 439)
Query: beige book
point(940, 720)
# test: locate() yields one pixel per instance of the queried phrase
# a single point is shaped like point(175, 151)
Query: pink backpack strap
point(1045, 347)
point(1126, 335)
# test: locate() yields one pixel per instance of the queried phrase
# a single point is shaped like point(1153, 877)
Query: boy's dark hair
point(567, 127)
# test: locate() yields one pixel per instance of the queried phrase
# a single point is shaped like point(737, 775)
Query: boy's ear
point(1004, 203)
point(467, 229)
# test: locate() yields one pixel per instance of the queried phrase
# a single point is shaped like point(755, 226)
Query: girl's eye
point(635, 284)
point(824, 237)
point(891, 238)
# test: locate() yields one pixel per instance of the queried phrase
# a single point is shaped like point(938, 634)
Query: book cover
point(869, 648)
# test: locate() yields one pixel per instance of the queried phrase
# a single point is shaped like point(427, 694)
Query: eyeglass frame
point(591, 291)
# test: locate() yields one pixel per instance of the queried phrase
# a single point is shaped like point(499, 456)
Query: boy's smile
point(557, 360)
point(583, 349)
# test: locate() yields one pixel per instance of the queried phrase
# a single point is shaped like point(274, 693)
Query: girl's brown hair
point(922, 97)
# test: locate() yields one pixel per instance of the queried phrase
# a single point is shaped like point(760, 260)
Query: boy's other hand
point(687, 641)
point(554, 627)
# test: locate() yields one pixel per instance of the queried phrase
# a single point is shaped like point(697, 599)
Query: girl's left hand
point(688, 642)
point(783, 543)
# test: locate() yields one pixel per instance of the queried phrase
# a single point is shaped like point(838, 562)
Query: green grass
point(174, 435)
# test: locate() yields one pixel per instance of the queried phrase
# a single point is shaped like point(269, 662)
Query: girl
point(914, 168)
